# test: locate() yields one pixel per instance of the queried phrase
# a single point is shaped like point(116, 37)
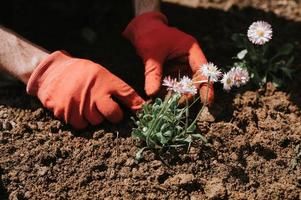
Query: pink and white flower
point(260, 32)
point(210, 71)
point(169, 82)
point(235, 77)
point(241, 76)
point(228, 80)
point(184, 86)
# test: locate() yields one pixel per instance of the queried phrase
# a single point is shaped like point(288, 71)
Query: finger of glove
point(196, 57)
point(185, 98)
point(127, 96)
point(153, 76)
point(201, 82)
point(109, 109)
point(92, 114)
point(70, 114)
point(78, 122)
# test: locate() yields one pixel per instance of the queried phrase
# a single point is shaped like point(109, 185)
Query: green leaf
point(177, 145)
point(241, 55)
point(276, 81)
point(264, 80)
point(158, 101)
point(138, 134)
point(288, 72)
point(163, 127)
point(139, 154)
point(188, 139)
point(167, 133)
point(239, 39)
point(286, 49)
point(167, 118)
point(179, 128)
point(289, 62)
point(241, 64)
point(191, 128)
point(200, 136)
point(161, 138)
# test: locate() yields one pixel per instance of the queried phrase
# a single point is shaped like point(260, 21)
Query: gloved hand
point(80, 91)
point(157, 43)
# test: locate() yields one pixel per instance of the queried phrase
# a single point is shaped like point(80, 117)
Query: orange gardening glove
point(157, 43)
point(80, 91)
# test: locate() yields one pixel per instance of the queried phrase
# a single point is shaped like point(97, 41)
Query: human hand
point(157, 43)
point(80, 91)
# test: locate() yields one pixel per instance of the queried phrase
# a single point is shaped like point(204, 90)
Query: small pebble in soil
point(16, 195)
point(129, 162)
point(6, 126)
point(206, 116)
point(42, 171)
point(39, 113)
point(299, 181)
point(98, 134)
point(33, 126)
point(28, 195)
point(215, 189)
point(180, 180)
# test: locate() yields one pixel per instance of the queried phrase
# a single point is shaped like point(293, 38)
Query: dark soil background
point(253, 134)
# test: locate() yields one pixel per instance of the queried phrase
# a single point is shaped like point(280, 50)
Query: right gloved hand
point(158, 43)
point(80, 91)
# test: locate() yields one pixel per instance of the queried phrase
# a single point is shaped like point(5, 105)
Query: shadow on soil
point(3, 191)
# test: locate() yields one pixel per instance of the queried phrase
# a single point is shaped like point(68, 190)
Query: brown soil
point(253, 134)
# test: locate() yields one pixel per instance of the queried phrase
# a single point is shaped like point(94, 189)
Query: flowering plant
point(165, 126)
point(263, 62)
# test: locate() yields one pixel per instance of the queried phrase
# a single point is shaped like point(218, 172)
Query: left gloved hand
point(80, 91)
point(157, 43)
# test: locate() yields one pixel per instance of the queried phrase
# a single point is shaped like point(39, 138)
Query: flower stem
point(187, 114)
point(204, 105)
point(207, 92)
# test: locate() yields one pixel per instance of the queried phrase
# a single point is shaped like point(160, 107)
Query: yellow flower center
point(260, 33)
point(229, 81)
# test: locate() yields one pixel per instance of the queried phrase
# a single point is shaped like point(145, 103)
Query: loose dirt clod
point(215, 189)
point(180, 180)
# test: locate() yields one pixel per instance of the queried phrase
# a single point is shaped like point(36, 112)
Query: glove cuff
point(144, 23)
point(39, 74)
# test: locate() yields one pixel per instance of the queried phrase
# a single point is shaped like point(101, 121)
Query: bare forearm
point(18, 56)
point(143, 6)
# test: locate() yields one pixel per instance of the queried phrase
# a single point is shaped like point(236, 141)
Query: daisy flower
point(169, 83)
point(228, 80)
point(260, 32)
point(186, 86)
point(211, 71)
point(235, 77)
point(241, 76)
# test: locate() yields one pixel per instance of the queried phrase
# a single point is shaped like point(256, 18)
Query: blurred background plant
point(264, 62)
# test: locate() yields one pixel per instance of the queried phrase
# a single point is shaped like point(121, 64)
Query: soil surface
point(253, 134)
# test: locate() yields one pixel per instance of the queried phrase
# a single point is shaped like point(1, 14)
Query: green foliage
point(264, 63)
point(163, 126)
